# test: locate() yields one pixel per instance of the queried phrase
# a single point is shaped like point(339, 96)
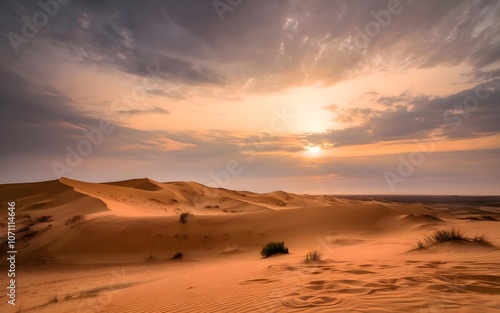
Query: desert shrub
point(441, 236)
point(481, 240)
point(273, 248)
point(44, 219)
point(453, 235)
point(420, 244)
point(184, 217)
point(313, 256)
point(177, 256)
point(75, 219)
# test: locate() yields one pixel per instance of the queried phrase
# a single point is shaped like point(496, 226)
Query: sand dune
point(141, 184)
point(117, 257)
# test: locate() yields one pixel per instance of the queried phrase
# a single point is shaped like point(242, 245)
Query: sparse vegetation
point(177, 256)
point(313, 256)
point(44, 219)
point(420, 245)
point(273, 248)
point(157, 201)
point(481, 240)
point(75, 219)
point(447, 235)
point(450, 235)
point(184, 218)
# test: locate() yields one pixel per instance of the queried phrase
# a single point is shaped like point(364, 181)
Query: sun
point(313, 151)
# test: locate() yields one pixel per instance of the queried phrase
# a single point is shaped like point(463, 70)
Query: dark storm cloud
point(462, 115)
point(278, 43)
point(130, 36)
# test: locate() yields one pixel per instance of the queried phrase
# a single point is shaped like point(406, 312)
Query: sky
point(320, 97)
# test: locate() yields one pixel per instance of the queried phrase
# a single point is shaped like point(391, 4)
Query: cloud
point(42, 121)
point(404, 97)
point(462, 115)
point(128, 36)
point(153, 110)
point(275, 44)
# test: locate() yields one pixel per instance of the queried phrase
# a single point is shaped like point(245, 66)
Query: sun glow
point(313, 151)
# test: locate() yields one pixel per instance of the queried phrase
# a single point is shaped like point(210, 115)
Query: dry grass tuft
point(450, 235)
point(313, 256)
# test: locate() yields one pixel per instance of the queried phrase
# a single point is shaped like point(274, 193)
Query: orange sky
point(269, 88)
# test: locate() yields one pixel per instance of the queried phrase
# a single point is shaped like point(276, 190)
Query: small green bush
point(313, 256)
point(273, 248)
